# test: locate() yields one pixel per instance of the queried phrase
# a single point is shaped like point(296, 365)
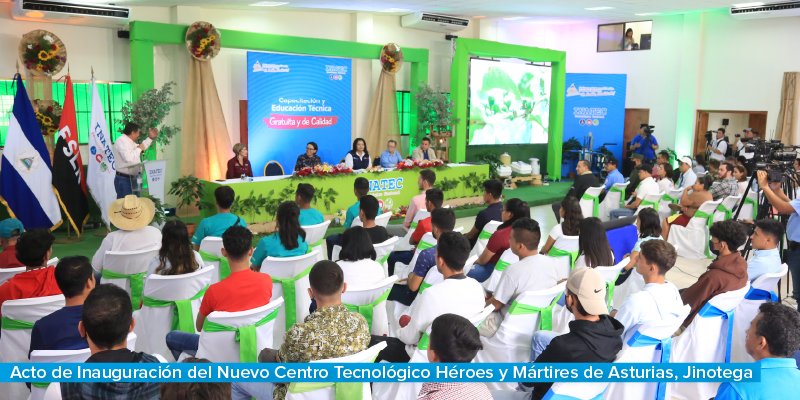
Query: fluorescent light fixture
point(517, 18)
point(751, 4)
point(647, 14)
point(479, 17)
point(269, 3)
point(602, 8)
point(395, 10)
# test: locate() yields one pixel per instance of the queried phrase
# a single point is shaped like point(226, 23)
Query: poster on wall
point(595, 103)
point(293, 100)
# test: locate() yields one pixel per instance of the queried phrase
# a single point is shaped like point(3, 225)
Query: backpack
point(728, 148)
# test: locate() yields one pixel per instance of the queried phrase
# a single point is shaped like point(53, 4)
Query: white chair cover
point(155, 319)
point(613, 200)
point(507, 258)
point(53, 261)
point(383, 219)
point(650, 201)
point(691, 241)
point(8, 273)
point(726, 209)
point(705, 340)
point(370, 301)
point(483, 237)
point(290, 281)
point(128, 263)
point(404, 243)
point(634, 284)
point(565, 243)
point(223, 347)
point(749, 208)
point(577, 390)
point(643, 347)
point(672, 196)
point(296, 391)
point(587, 201)
point(15, 338)
point(427, 241)
point(382, 251)
point(610, 275)
point(512, 342)
point(212, 244)
point(315, 233)
point(54, 356)
point(761, 291)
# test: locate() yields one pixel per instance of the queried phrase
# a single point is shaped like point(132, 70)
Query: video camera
point(771, 156)
point(648, 129)
point(710, 137)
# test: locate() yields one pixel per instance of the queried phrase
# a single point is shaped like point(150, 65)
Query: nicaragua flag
point(25, 175)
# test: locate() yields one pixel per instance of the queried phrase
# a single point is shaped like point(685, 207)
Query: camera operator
point(740, 145)
point(718, 146)
point(645, 143)
point(783, 205)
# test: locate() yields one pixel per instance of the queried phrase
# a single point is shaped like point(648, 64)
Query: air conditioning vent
point(70, 13)
point(775, 10)
point(434, 22)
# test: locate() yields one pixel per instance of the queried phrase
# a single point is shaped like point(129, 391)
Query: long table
point(394, 188)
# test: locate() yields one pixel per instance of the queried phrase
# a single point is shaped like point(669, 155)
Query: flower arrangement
point(391, 57)
point(400, 213)
point(324, 169)
point(150, 110)
point(43, 52)
point(375, 168)
point(202, 40)
point(48, 117)
point(411, 164)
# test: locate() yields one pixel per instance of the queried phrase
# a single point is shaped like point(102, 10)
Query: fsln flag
point(68, 178)
point(25, 175)
point(102, 169)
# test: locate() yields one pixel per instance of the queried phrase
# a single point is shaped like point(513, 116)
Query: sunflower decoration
point(391, 58)
point(203, 40)
point(42, 52)
point(48, 116)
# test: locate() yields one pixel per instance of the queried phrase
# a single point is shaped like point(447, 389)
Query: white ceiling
point(625, 9)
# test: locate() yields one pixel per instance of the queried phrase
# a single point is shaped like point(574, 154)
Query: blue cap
point(11, 227)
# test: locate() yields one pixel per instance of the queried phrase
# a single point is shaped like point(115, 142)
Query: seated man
point(726, 273)
point(726, 185)
point(243, 290)
point(391, 156)
point(453, 340)
point(360, 189)
point(457, 294)
point(330, 332)
point(442, 220)
point(659, 300)
point(216, 224)
point(492, 196)
point(425, 181)
point(59, 330)
point(303, 197)
point(593, 335)
point(106, 320)
point(132, 216)
point(424, 151)
point(367, 211)
point(34, 249)
point(773, 336)
point(10, 230)
point(533, 271)
point(687, 177)
point(766, 259)
point(613, 176)
point(647, 185)
point(434, 198)
point(583, 180)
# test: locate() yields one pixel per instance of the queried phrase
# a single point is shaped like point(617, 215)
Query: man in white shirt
point(128, 155)
point(688, 177)
point(647, 185)
point(659, 300)
point(533, 271)
point(425, 181)
point(719, 146)
point(132, 216)
point(741, 142)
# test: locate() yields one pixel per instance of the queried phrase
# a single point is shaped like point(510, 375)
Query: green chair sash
point(40, 385)
point(245, 335)
point(343, 390)
point(621, 191)
point(727, 211)
point(15, 324)
point(182, 318)
point(709, 221)
point(367, 310)
point(382, 260)
point(645, 203)
point(424, 342)
point(754, 203)
point(485, 235)
point(670, 198)
point(290, 295)
point(423, 245)
point(595, 203)
point(545, 313)
point(422, 286)
point(224, 266)
point(136, 282)
point(556, 252)
point(501, 265)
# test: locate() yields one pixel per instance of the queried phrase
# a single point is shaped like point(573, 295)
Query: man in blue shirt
point(773, 336)
point(687, 178)
point(613, 175)
point(492, 196)
point(766, 256)
point(59, 330)
point(303, 197)
point(217, 224)
point(645, 143)
point(391, 156)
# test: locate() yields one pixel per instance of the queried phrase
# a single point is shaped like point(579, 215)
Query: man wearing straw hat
point(131, 216)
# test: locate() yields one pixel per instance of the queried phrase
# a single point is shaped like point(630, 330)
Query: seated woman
point(742, 179)
point(513, 210)
point(239, 165)
point(176, 256)
point(288, 241)
point(593, 247)
point(691, 200)
point(357, 258)
point(663, 179)
point(309, 158)
point(571, 216)
point(648, 223)
point(358, 157)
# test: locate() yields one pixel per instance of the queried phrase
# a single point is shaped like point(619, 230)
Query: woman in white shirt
point(357, 259)
point(648, 223)
point(740, 173)
point(571, 216)
point(176, 257)
point(665, 183)
point(593, 247)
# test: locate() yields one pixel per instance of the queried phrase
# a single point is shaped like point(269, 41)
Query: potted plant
point(150, 110)
point(188, 189)
point(435, 117)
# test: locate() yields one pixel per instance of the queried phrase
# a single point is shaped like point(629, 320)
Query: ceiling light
point(395, 10)
point(513, 18)
point(479, 17)
point(34, 14)
point(647, 14)
point(602, 8)
point(751, 4)
point(269, 3)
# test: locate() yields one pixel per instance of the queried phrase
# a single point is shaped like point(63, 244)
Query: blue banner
point(596, 103)
point(292, 100)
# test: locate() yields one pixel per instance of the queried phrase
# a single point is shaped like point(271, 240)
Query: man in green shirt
point(303, 197)
point(217, 224)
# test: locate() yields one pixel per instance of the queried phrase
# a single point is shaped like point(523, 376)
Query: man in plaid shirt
point(726, 185)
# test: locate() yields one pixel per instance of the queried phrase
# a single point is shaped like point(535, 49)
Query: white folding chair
point(614, 199)
point(404, 243)
point(212, 244)
point(566, 250)
point(646, 345)
point(426, 242)
point(127, 270)
point(223, 332)
point(507, 258)
point(761, 291)
point(483, 237)
point(383, 219)
point(211, 253)
point(590, 202)
point(382, 251)
point(169, 300)
point(529, 312)
point(38, 389)
point(315, 234)
point(314, 391)
point(370, 302)
point(691, 241)
point(707, 339)
point(750, 206)
point(652, 200)
point(290, 281)
point(672, 196)
point(725, 209)
point(8, 273)
point(15, 338)
point(610, 275)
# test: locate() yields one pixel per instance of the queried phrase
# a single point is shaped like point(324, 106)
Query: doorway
point(634, 117)
point(734, 123)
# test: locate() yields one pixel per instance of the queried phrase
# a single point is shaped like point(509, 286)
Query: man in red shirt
point(433, 200)
point(243, 290)
point(34, 248)
point(10, 230)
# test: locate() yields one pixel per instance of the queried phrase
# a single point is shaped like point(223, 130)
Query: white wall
point(736, 122)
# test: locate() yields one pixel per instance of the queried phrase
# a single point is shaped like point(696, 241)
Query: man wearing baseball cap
point(10, 231)
point(688, 177)
point(593, 336)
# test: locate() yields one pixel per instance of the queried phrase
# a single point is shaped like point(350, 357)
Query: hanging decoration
point(48, 117)
point(203, 40)
point(42, 52)
point(391, 58)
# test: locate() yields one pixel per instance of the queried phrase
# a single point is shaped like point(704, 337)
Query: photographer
point(783, 205)
point(645, 143)
point(719, 146)
point(741, 142)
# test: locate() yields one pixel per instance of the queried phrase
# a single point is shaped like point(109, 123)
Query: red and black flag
point(69, 179)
